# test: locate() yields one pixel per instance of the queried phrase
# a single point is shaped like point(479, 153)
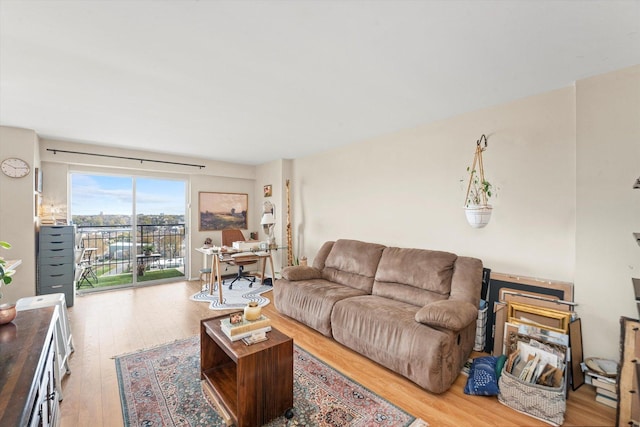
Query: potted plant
point(5, 276)
point(7, 311)
point(147, 249)
point(479, 190)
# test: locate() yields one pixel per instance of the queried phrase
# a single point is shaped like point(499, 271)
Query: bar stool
point(205, 274)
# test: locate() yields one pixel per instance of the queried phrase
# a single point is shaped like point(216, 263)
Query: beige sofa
point(413, 311)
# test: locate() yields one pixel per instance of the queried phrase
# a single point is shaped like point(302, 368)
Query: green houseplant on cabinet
point(479, 190)
point(5, 275)
point(7, 311)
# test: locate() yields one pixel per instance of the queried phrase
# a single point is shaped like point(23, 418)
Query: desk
point(226, 257)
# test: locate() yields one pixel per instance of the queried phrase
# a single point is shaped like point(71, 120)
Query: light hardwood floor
point(108, 324)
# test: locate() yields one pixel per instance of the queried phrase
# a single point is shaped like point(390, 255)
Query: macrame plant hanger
point(477, 159)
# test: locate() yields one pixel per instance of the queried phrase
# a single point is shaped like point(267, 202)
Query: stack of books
point(602, 374)
point(606, 392)
point(245, 328)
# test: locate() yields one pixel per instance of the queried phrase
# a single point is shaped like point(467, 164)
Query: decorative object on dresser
point(7, 313)
point(7, 268)
point(479, 190)
point(5, 271)
point(56, 261)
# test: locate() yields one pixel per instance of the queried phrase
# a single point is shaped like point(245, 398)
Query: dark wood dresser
point(28, 394)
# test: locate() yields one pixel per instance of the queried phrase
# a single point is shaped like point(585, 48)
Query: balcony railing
point(112, 254)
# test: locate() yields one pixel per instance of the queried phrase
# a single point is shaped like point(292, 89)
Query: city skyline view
point(113, 195)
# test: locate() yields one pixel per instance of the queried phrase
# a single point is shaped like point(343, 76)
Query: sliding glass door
point(160, 229)
point(132, 229)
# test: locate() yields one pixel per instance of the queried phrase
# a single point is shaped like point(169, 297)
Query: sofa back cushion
point(321, 256)
point(414, 276)
point(353, 263)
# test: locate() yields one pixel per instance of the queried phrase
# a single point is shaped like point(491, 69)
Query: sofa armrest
point(301, 272)
point(447, 314)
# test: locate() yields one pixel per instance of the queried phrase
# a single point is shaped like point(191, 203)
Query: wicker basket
point(547, 404)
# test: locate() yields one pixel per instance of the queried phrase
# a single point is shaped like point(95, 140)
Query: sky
point(113, 195)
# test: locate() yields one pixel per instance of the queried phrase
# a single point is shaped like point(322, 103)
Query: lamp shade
point(267, 219)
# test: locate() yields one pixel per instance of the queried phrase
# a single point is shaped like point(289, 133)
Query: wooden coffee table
point(249, 384)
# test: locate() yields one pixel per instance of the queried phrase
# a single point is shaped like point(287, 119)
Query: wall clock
point(15, 168)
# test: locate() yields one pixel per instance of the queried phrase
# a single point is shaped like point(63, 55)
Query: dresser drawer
point(48, 241)
point(53, 287)
point(57, 230)
point(61, 254)
point(50, 270)
point(55, 279)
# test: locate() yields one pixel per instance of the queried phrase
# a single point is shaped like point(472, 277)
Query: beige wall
point(608, 208)
point(17, 211)
point(404, 189)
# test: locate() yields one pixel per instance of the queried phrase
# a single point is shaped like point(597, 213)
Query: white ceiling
point(255, 81)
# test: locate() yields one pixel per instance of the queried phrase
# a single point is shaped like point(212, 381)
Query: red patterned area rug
point(161, 387)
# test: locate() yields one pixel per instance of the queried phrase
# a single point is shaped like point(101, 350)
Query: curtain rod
point(56, 151)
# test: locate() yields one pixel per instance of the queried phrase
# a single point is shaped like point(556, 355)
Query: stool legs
point(204, 280)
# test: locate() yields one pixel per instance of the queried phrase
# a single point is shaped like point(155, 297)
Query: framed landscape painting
point(218, 211)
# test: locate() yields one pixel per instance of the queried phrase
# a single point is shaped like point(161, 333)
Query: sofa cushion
point(385, 331)
point(353, 263)
point(447, 314)
point(414, 276)
point(310, 301)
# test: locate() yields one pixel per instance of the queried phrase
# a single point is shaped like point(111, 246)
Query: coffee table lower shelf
point(224, 397)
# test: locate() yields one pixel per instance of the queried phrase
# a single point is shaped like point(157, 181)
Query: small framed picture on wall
point(38, 178)
point(267, 190)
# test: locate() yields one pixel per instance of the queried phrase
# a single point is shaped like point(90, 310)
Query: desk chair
point(228, 237)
